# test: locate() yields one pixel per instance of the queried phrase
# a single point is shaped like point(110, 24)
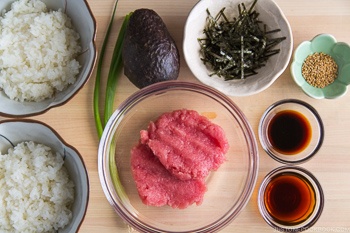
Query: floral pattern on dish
point(339, 51)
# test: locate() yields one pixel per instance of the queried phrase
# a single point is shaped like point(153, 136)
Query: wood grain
point(75, 122)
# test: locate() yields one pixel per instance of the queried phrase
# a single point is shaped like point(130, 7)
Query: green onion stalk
point(114, 72)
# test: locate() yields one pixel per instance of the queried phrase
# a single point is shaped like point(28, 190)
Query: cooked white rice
point(38, 48)
point(36, 193)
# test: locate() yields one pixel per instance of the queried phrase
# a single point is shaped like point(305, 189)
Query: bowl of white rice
point(44, 181)
point(47, 53)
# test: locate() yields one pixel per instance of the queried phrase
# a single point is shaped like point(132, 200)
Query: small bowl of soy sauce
point(291, 131)
point(290, 199)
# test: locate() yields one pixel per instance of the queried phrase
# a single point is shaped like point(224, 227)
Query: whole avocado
point(149, 52)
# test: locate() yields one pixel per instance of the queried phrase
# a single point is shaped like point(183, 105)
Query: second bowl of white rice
point(44, 181)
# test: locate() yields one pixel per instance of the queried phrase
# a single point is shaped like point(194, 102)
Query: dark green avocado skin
point(149, 52)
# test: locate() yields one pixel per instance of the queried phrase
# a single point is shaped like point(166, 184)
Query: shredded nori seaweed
point(235, 49)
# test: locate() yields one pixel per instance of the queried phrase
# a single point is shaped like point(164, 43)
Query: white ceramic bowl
point(85, 24)
point(270, 14)
point(29, 130)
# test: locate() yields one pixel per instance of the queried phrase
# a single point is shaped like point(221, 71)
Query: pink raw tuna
point(157, 186)
point(186, 143)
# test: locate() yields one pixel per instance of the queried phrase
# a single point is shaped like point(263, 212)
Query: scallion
point(116, 67)
point(115, 70)
point(98, 122)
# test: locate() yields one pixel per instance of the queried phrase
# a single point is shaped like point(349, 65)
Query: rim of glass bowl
point(264, 141)
point(104, 149)
point(312, 219)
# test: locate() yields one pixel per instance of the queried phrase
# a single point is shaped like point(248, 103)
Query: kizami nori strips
point(236, 47)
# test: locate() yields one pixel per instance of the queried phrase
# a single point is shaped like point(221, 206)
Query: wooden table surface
point(75, 122)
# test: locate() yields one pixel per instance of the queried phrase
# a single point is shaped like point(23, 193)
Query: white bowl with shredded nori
point(239, 47)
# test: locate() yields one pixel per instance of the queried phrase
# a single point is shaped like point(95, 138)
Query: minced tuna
point(186, 143)
point(174, 156)
point(158, 187)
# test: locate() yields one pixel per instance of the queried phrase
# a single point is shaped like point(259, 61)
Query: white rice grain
point(38, 48)
point(36, 193)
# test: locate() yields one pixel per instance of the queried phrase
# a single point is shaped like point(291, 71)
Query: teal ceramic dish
point(339, 51)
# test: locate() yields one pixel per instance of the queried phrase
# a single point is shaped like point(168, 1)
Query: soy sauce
point(289, 132)
point(289, 198)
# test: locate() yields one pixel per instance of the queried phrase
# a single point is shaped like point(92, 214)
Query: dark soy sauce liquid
point(289, 198)
point(289, 132)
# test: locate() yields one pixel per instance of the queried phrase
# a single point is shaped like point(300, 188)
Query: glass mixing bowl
point(228, 189)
